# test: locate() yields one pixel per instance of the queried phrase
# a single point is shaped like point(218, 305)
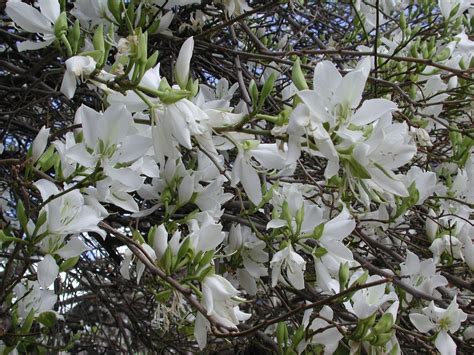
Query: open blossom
point(34, 21)
point(293, 265)
point(220, 299)
point(367, 301)
point(252, 250)
point(421, 275)
point(329, 337)
point(68, 213)
point(76, 68)
point(269, 156)
point(441, 321)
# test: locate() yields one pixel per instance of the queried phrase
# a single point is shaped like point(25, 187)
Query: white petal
point(326, 78)
point(372, 110)
point(349, 91)
point(39, 144)
point(47, 271)
point(276, 223)
point(200, 330)
point(125, 266)
point(160, 241)
point(186, 189)
point(28, 18)
point(46, 188)
point(445, 344)
point(210, 237)
point(249, 179)
point(73, 248)
point(69, 84)
point(50, 9)
point(183, 62)
point(32, 45)
point(421, 322)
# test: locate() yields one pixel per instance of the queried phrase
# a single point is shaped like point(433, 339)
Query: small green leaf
point(48, 319)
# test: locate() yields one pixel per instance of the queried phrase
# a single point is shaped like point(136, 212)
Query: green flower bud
point(344, 275)
point(384, 324)
point(60, 26)
point(282, 334)
point(381, 339)
point(297, 76)
point(253, 90)
point(172, 96)
point(403, 21)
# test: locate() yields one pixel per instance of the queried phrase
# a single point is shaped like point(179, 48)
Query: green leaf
point(319, 252)
point(68, 264)
point(48, 319)
point(28, 322)
point(266, 90)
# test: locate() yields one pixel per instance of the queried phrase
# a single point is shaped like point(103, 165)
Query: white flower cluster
point(188, 150)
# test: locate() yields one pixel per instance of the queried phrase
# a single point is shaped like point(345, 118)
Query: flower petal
point(47, 271)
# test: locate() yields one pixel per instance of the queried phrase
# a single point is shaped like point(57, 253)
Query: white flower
point(447, 6)
point(76, 67)
point(425, 182)
point(34, 21)
point(441, 321)
point(32, 296)
point(329, 338)
point(421, 275)
point(368, 300)
point(220, 300)
point(205, 234)
point(67, 214)
point(293, 264)
point(110, 138)
point(235, 7)
point(182, 120)
point(251, 249)
point(447, 243)
point(269, 156)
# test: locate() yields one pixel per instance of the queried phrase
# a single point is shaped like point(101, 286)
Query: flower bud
point(384, 324)
point(297, 76)
point(60, 26)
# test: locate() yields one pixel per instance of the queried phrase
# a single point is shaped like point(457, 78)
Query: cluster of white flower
point(186, 149)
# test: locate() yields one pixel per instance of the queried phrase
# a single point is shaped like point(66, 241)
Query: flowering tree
point(269, 176)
